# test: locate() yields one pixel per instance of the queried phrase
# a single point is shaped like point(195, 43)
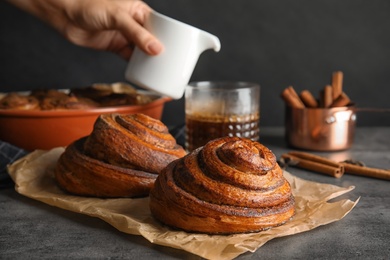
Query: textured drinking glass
point(219, 109)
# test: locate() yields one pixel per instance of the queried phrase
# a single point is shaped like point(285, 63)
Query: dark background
point(273, 43)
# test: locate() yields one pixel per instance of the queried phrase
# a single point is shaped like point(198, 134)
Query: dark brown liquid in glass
point(201, 129)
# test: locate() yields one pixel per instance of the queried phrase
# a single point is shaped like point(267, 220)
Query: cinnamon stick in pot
point(291, 98)
point(308, 99)
point(337, 84)
point(341, 101)
point(327, 96)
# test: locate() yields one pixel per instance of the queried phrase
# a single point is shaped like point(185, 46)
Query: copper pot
point(320, 129)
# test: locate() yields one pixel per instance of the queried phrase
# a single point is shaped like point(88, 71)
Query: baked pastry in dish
point(51, 99)
point(122, 157)
point(19, 102)
point(115, 94)
point(231, 185)
point(95, 96)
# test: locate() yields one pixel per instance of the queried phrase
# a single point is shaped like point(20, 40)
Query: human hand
point(111, 25)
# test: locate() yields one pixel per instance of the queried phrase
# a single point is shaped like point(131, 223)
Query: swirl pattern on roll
point(120, 158)
point(134, 141)
point(231, 185)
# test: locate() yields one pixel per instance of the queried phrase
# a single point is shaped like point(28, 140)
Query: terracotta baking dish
point(32, 130)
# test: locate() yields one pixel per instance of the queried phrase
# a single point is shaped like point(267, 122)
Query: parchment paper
point(33, 177)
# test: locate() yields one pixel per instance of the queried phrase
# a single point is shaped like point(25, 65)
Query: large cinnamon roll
point(120, 158)
point(231, 185)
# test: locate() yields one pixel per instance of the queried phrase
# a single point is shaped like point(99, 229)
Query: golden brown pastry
point(95, 96)
point(52, 99)
point(231, 185)
point(120, 158)
point(115, 94)
point(124, 99)
point(19, 102)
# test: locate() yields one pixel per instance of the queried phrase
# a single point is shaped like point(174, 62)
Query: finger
point(135, 32)
point(125, 52)
point(142, 12)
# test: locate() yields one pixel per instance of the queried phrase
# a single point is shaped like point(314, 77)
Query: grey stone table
point(33, 230)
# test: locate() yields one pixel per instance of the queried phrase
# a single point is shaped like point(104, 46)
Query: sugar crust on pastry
point(231, 185)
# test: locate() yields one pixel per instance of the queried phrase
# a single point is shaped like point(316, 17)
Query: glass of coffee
point(215, 109)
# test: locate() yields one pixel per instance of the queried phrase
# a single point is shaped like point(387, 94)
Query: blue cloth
point(178, 132)
point(8, 154)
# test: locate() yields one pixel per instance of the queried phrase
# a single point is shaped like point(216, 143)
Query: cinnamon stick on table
point(366, 171)
point(291, 98)
point(323, 165)
point(314, 163)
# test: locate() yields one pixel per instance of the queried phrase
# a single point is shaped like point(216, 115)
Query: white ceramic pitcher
point(169, 72)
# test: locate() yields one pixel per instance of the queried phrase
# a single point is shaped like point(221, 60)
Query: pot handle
point(341, 116)
point(372, 109)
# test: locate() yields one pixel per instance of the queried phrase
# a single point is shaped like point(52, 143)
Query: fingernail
point(154, 47)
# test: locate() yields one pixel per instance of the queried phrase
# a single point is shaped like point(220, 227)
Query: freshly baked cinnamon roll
point(134, 141)
point(231, 185)
point(120, 158)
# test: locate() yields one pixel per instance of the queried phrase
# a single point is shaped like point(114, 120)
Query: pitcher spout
point(209, 41)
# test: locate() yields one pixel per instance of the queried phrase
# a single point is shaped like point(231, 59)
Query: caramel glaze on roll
point(120, 158)
point(231, 185)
